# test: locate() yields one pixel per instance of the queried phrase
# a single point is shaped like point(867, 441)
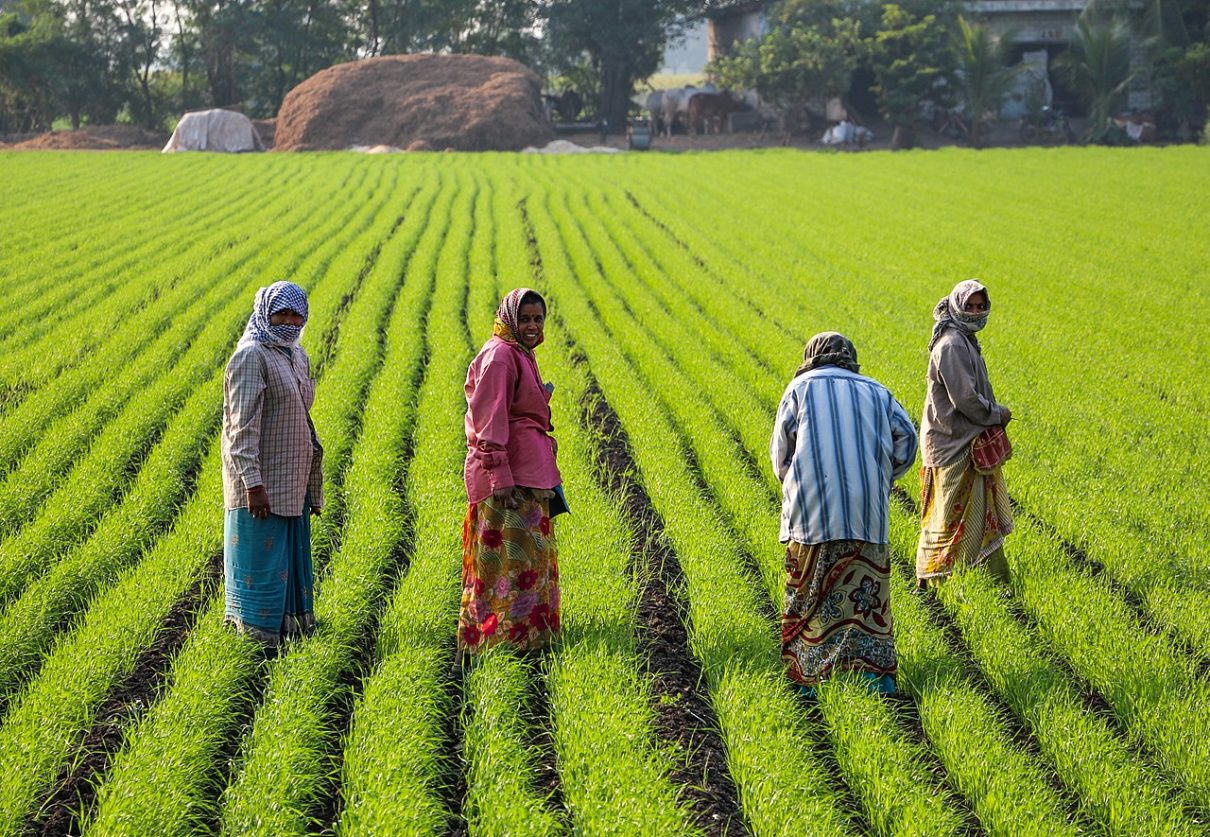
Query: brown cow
point(708, 110)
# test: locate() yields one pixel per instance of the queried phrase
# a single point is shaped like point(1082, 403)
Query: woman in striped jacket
point(840, 439)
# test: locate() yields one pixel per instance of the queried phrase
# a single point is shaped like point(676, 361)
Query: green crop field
point(682, 289)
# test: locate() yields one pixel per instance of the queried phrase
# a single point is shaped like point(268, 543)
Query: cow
point(570, 104)
point(708, 110)
point(655, 107)
point(676, 105)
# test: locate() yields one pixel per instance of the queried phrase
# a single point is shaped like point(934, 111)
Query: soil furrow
point(680, 698)
point(353, 678)
point(1133, 600)
point(74, 794)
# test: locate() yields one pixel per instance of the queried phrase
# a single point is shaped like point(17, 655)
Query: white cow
point(655, 107)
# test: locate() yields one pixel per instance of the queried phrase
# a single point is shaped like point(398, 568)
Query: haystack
point(460, 102)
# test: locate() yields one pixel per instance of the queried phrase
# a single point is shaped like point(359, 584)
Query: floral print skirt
point(510, 574)
point(837, 615)
point(964, 518)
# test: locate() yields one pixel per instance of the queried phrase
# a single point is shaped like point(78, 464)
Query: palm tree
point(1097, 66)
point(985, 76)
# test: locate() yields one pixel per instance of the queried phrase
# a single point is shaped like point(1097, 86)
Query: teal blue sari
point(267, 566)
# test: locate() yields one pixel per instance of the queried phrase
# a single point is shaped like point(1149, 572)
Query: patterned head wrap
point(507, 313)
point(951, 311)
point(829, 348)
point(277, 297)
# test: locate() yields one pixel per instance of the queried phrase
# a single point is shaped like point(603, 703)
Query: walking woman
point(964, 505)
point(840, 439)
point(272, 471)
point(510, 572)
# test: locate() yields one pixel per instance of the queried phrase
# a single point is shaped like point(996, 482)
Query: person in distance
point(272, 471)
point(964, 505)
point(510, 571)
point(839, 440)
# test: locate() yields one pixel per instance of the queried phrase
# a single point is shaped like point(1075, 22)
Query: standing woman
point(272, 471)
point(510, 573)
point(965, 510)
point(840, 439)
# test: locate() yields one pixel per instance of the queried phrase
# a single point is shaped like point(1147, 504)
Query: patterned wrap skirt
point(267, 566)
point(964, 517)
point(837, 615)
point(510, 574)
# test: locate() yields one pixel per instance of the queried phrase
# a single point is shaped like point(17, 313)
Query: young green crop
point(689, 284)
point(960, 741)
point(29, 624)
point(170, 772)
point(56, 311)
point(599, 701)
point(727, 632)
point(68, 333)
point(108, 374)
point(98, 477)
point(396, 752)
point(976, 232)
point(290, 756)
point(55, 709)
point(1177, 677)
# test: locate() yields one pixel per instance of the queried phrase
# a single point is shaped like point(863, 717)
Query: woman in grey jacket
point(965, 513)
point(272, 472)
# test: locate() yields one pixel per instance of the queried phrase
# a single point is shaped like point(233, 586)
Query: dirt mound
point(96, 138)
point(460, 102)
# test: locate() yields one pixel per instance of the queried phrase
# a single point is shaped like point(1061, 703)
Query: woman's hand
point(258, 502)
point(505, 497)
point(1008, 415)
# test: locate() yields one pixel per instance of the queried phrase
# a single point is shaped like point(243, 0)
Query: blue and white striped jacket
point(839, 441)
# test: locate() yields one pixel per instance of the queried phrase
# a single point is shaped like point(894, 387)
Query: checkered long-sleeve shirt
point(267, 434)
point(839, 441)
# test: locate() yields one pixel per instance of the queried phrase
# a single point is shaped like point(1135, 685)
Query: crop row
point(170, 774)
point(47, 718)
point(759, 453)
point(1069, 702)
point(1115, 439)
point(53, 305)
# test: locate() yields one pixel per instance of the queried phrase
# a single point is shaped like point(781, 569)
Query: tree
point(1181, 79)
point(810, 53)
point(1097, 67)
point(914, 64)
point(140, 44)
point(623, 41)
point(983, 73)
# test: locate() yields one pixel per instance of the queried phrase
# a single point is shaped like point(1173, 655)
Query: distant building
point(1040, 30)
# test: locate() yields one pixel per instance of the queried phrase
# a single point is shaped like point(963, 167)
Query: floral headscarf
point(829, 348)
point(951, 311)
point(276, 297)
point(506, 316)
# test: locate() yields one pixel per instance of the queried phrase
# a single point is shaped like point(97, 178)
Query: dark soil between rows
point(683, 713)
point(76, 790)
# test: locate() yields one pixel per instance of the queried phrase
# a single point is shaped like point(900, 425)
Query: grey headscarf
point(829, 348)
point(950, 311)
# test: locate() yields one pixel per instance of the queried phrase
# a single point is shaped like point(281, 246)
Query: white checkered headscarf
point(279, 296)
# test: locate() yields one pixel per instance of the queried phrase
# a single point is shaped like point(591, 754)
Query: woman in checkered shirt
point(272, 472)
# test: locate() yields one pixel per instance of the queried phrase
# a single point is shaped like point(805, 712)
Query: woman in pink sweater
point(510, 572)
